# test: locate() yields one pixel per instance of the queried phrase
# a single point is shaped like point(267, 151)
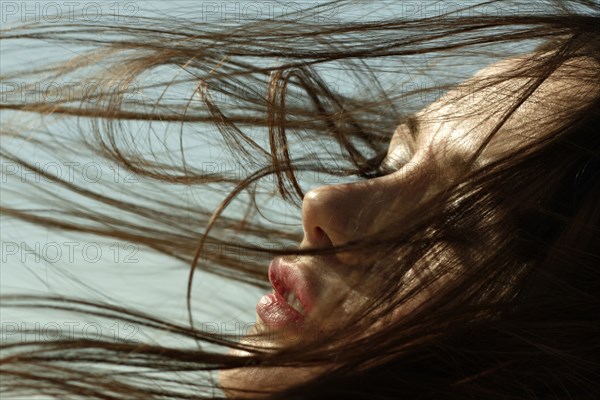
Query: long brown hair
point(520, 322)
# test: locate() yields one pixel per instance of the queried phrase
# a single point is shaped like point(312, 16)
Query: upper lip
point(287, 278)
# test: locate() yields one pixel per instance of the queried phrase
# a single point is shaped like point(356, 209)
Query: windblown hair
point(520, 321)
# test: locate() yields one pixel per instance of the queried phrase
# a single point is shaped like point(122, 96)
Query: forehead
point(461, 120)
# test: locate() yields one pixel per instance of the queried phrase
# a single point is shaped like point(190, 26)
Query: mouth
point(291, 300)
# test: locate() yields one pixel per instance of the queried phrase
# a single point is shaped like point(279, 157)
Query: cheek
point(423, 282)
point(262, 379)
point(399, 195)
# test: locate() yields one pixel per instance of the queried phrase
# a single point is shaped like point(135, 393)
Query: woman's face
point(426, 153)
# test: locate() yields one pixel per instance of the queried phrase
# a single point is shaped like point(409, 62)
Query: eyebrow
point(412, 123)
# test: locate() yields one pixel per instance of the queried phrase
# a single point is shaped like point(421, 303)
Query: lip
point(272, 308)
point(287, 278)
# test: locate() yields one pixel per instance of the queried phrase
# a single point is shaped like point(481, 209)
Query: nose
point(338, 214)
point(331, 215)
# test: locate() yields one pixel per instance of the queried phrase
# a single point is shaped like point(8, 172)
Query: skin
point(450, 131)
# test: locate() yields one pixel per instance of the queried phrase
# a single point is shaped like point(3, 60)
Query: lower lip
point(275, 312)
